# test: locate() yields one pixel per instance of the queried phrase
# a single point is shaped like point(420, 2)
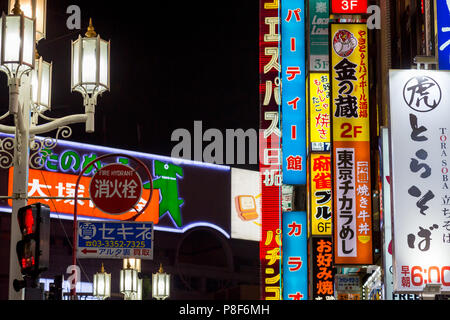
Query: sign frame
point(91, 252)
point(368, 259)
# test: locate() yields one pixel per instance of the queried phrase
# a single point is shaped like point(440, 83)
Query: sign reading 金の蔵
point(419, 115)
point(352, 197)
point(115, 240)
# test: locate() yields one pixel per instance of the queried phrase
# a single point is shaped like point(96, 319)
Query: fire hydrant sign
point(116, 188)
point(115, 240)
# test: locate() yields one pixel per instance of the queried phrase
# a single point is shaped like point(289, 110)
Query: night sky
point(172, 63)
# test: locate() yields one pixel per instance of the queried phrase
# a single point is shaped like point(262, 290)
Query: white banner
point(345, 191)
point(420, 123)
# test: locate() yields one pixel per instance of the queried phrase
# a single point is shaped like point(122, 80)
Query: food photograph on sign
point(267, 150)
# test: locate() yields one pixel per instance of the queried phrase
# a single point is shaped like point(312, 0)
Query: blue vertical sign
point(443, 23)
point(295, 255)
point(293, 93)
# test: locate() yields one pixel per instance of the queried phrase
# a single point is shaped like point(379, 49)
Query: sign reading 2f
point(348, 6)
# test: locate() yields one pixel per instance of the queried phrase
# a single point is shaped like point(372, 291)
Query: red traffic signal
point(27, 220)
point(33, 249)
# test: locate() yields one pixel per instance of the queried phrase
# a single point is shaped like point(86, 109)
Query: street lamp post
point(30, 98)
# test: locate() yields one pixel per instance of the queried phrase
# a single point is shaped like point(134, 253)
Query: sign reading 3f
point(348, 6)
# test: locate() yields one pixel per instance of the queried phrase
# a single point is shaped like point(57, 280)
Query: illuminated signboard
point(319, 111)
point(295, 256)
point(352, 214)
point(419, 136)
point(245, 205)
point(319, 13)
point(322, 269)
point(321, 208)
point(270, 149)
point(443, 33)
point(43, 183)
point(348, 6)
point(188, 194)
point(293, 72)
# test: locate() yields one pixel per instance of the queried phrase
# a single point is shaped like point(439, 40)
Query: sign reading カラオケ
point(419, 115)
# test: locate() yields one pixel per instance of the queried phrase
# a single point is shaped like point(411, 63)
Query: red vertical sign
point(270, 152)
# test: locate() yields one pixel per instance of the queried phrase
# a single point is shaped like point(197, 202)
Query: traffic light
point(33, 249)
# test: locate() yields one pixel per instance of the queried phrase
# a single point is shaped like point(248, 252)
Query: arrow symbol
point(85, 251)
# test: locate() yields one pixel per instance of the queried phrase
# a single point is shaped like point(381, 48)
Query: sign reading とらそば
point(419, 133)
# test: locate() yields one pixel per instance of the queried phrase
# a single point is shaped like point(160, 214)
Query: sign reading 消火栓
point(116, 188)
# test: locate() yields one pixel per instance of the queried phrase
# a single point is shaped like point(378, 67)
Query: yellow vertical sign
point(319, 108)
point(321, 203)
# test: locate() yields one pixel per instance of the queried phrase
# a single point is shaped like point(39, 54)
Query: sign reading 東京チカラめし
point(352, 197)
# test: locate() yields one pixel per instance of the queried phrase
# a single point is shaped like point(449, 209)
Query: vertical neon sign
point(294, 91)
point(270, 152)
point(295, 256)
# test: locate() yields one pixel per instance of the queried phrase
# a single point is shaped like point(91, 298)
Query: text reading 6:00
point(435, 275)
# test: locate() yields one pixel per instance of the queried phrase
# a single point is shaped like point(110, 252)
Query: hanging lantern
point(128, 282)
point(90, 63)
point(102, 284)
point(160, 285)
point(34, 9)
point(133, 263)
point(17, 55)
point(41, 83)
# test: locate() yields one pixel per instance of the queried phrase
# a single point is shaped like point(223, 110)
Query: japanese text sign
point(348, 6)
point(295, 256)
point(270, 148)
point(116, 188)
point(115, 240)
point(43, 183)
point(419, 115)
point(293, 73)
point(322, 269)
point(351, 145)
point(319, 14)
point(319, 111)
point(443, 33)
point(347, 283)
point(321, 183)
